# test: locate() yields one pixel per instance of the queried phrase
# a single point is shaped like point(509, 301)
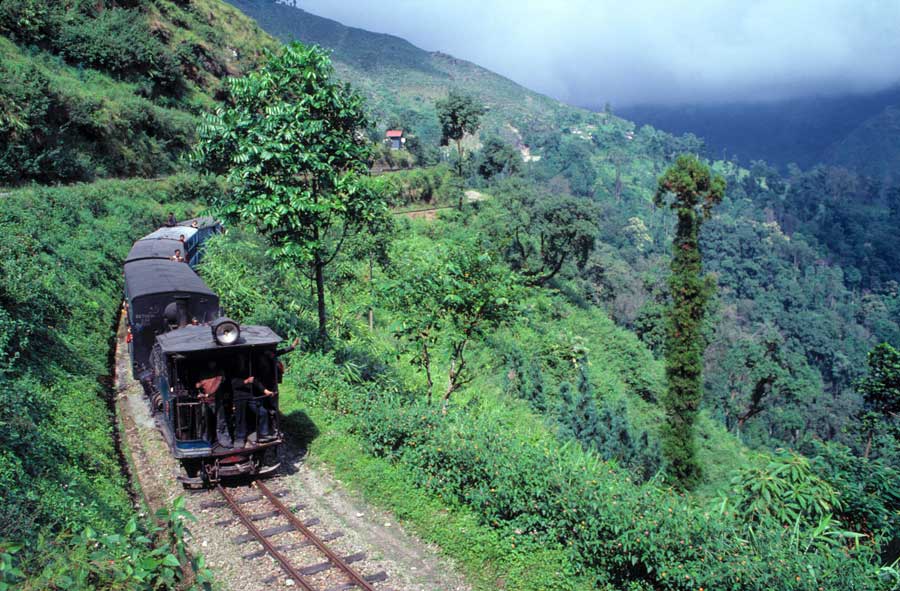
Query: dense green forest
point(804, 263)
point(514, 371)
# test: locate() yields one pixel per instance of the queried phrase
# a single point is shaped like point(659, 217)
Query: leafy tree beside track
point(293, 153)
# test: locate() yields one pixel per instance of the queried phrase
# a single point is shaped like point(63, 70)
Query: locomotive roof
point(200, 338)
point(154, 249)
point(171, 233)
point(155, 276)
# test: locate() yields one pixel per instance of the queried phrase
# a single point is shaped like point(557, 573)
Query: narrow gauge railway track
point(302, 576)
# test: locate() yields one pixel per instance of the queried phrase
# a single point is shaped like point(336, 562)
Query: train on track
point(212, 384)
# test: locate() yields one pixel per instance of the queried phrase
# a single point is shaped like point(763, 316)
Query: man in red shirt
point(214, 392)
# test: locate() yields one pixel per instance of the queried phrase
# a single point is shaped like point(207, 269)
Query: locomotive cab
point(228, 354)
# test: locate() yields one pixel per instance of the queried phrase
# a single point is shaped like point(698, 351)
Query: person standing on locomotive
point(249, 394)
point(269, 369)
point(270, 372)
point(214, 392)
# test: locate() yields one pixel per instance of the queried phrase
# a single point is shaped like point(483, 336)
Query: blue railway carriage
point(180, 360)
point(187, 236)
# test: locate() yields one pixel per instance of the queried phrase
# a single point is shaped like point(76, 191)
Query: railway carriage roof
point(202, 222)
point(199, 338)
point(155, 276)
point(153, 249)
point(171, 233)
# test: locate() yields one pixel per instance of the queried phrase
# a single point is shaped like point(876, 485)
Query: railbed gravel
point(410, 563)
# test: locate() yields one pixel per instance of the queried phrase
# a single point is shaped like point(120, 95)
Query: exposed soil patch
point(410, 563)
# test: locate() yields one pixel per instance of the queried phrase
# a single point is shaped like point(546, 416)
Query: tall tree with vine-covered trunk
point(691, 191)
point(292, 148)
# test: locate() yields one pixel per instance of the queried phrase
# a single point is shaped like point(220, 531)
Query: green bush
point(120, 42)
point(56, 125)
point(112, 39)
point(869, 491)
point(138, 559)
point(433, 186)
point(525, 485)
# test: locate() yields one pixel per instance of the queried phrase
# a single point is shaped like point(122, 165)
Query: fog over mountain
point(589, 52)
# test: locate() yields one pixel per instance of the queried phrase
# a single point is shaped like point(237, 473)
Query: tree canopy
point(881, 393)
point(459, 114)
point(292, 149)
point(450, 299)
point(540, 233)
point(498, 159)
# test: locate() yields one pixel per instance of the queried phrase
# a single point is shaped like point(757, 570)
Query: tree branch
point(556, 269)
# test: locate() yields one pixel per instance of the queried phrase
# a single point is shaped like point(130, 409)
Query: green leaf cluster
point(451, 296)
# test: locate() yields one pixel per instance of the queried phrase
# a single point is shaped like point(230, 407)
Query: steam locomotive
point(179, 343)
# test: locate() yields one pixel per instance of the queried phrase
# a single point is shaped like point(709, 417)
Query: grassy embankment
point(61, 293)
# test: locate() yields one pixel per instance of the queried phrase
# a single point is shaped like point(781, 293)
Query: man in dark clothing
point(286, 350)
point(269, 371)
point(277, 366)
point(249, 394)
point(214, 392)
point(171, 221)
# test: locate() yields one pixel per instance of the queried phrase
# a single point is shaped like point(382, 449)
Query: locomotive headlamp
point(225, 331)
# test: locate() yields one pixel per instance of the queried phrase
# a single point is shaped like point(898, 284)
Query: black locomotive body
point(212, 385)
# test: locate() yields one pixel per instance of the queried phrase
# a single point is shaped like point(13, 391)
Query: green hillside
point(90, 90)
point(544, 468)
point(112, 89)
point(401, 80)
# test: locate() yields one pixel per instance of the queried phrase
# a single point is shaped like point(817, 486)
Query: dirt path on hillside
point(430, 213)
point(410, 563)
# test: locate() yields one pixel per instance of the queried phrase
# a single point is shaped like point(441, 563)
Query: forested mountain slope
point(775, 238)
point(872, 147)
point(401, 80)
point(802, 131)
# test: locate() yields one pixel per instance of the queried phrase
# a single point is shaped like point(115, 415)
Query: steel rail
point(270, 548)
point(336, 560)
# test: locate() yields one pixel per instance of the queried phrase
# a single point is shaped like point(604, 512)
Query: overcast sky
point(588, 52)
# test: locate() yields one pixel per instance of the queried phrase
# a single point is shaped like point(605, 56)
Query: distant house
point(395, 138)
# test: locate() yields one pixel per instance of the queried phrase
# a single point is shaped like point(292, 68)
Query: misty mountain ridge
point(400, 80)
point(858, 131)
